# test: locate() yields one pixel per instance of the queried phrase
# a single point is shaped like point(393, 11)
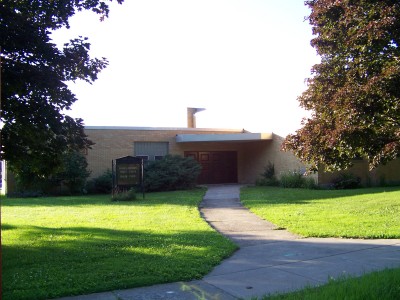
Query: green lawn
point(62, 246)
point(382, 285)
point(360, 213)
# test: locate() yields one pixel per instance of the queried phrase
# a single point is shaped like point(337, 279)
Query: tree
point(36, 131)
point(354, 93)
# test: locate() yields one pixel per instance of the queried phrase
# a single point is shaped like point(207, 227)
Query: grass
point(362, 213)
point(55, 247)
point(382, 285)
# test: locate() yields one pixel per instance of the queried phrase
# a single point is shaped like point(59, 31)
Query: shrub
point(74, 173)
point(101, 184)
point(346, 181)
point(292, 180)
point(125, 196)
point(268, 176)
point(267, 182)
point(296, 179)
point(173, 172)
point(309, 183)
point(69, 178)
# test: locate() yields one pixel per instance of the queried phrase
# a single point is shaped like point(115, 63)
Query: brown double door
point(217, 166)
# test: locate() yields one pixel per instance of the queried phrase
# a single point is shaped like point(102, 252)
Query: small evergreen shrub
point(101, 184)
point(173, 172)
point(125, 196)
point(347, 181)
point(268, 176)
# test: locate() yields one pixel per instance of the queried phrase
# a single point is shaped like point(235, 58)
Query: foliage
point(51, 245)
point(291, 179)
point(125, 196)
point(358, 213)
point(383, 285)
point(72, 174)
point(101, 184)
point(296, 179)
point(35, 74)
point(173, 172)
point(354, 93)
point(268, 176)
point(346, 181)
point(269, 171)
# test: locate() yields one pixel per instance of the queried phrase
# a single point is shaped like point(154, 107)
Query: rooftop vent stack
point(191, 118)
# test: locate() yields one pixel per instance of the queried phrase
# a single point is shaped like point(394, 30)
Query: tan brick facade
point(388, 174)
point(252, 156)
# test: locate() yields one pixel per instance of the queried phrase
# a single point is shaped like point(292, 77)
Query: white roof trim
point(227, 137)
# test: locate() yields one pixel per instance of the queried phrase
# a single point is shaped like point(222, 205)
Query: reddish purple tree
point(354, 93)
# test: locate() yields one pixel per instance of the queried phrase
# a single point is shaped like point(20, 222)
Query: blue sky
point(245, 61)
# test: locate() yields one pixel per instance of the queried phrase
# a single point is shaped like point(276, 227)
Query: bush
point(101, 184)
point(292, 180)
point(125, 196)
point(173, 172)
point(267, 182)
point(346, 181)
point(296, 179)
point(69, 178)
point(74, 173)
point(268, 176)
point(309, 183)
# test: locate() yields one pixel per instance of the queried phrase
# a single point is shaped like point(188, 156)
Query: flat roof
point(162, 128)
point(223, 137)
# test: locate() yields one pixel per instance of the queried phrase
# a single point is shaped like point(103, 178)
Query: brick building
point(226, 155)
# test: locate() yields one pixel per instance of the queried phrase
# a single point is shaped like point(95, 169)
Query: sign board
point(127, 173)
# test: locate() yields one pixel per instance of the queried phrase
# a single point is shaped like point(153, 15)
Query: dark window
point(153, 150)
point(144, 157)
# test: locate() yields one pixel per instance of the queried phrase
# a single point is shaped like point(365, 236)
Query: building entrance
point(217, 166)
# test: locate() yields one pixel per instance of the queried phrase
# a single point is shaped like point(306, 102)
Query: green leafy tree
point(34, 95)
point(354, 93)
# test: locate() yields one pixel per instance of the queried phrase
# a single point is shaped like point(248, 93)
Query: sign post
point(127, 173)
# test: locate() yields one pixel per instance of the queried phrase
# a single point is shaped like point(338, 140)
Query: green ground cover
point(62, 246)
point(382, 285)
point(360, 213)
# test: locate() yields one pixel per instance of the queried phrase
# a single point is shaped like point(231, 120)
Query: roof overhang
point(223, 137)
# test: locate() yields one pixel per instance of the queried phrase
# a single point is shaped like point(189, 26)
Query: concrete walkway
point(268, 261)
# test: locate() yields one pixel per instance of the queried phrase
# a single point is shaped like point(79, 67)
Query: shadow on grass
point(303, 196)
point(55, 262)
point(172, 198)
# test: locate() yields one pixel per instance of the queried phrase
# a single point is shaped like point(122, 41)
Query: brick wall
point(382, 175)
point(112, 143)
point(253, 156)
